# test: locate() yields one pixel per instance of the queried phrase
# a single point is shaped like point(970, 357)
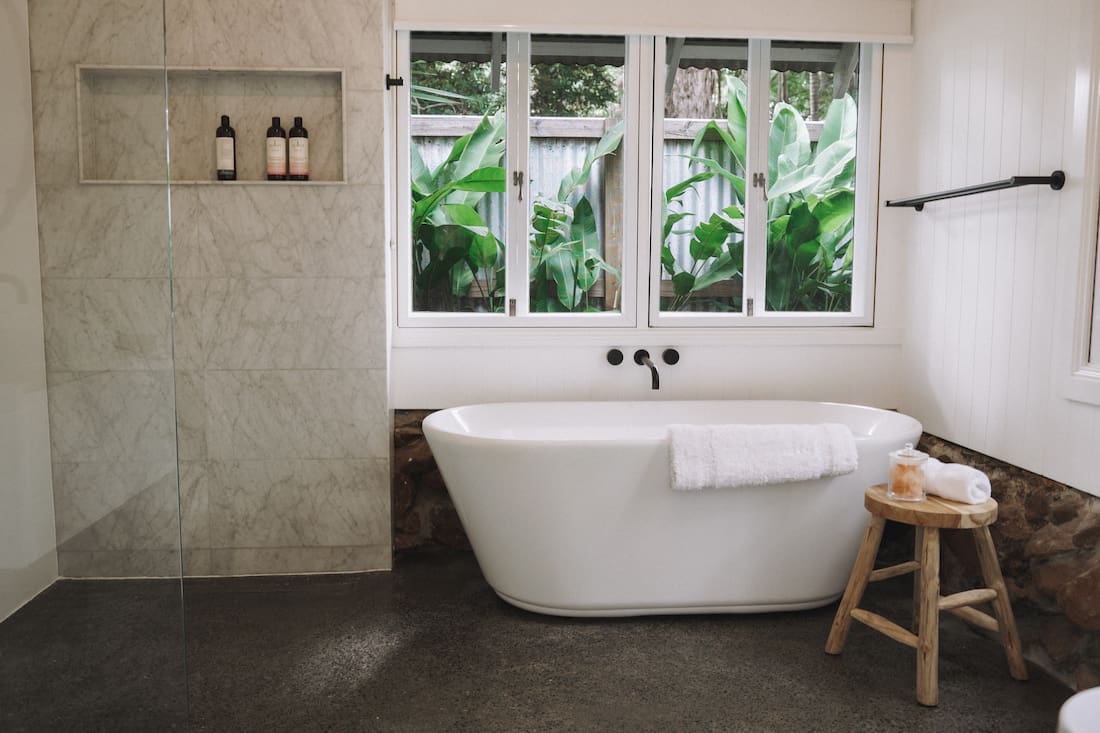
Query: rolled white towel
point(956, 482)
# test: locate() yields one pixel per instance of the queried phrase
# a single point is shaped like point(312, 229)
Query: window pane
point(811, 176)
point(705, 141)
point(456, 151)
point(576, 173)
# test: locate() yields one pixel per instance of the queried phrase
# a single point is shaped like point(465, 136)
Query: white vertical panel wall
point(997, 88)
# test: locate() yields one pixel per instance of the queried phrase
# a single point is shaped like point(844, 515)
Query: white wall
point(855, 367)
point(996, 88)
point(28, 562)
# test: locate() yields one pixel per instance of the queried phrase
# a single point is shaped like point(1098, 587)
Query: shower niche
point(121, 121)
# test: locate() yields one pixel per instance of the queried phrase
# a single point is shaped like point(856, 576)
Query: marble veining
point(194, 506)
point(101, 324)
point(122, 125)
point(279, 323)
point(271, 414)
point(191, 414)
point(69, 32)
point(55, 138)
point(325, 34)
point(103, 231)
point(261, 231)
point(365, 111)
point(300, 503)
point(111, 416)
point(116, 506)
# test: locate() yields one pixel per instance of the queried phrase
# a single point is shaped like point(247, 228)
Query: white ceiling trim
point(883, 21)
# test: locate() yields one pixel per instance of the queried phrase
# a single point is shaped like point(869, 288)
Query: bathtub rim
point(429, 422)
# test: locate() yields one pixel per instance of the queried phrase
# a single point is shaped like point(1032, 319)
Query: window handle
point(517, 180)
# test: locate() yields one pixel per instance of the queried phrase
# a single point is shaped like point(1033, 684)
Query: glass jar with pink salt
point(907, 474)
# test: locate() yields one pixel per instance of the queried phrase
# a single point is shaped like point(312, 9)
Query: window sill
point(473, 337)
point(1083, 385)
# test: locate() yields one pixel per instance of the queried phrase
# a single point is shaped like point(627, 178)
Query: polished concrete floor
point(429, 647)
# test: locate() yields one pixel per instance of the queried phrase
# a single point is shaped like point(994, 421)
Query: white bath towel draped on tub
point(728, 456)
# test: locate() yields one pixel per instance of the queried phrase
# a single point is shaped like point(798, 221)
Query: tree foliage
point(563, 90)
point(453, 88)
point(559, 90)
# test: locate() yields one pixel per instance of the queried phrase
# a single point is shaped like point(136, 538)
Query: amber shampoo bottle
point(299, 152)
point(276, 151)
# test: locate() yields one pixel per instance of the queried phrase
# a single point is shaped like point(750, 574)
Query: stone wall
point(423, 515)
point(1048, 540)
point(1047, 536)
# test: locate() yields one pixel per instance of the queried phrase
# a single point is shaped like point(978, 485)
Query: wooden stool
point(929, 517)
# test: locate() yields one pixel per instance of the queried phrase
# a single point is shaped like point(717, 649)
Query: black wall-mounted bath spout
point(641, 357)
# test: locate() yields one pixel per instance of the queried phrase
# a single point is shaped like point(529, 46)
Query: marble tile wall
point(277, 389)
point(28, 556)
point(280, 317)
point(198, 99)
point(106, 306)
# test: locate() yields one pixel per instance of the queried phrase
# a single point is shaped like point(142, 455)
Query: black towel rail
point(1055, 180)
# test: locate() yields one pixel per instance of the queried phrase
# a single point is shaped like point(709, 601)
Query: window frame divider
point(516, 158)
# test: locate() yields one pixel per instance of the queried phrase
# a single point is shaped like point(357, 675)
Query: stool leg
point(1006, 622)
point(918, 548)
point(857, 583)
point(928, 640)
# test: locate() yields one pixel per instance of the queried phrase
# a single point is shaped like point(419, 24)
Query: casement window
point(595, 180)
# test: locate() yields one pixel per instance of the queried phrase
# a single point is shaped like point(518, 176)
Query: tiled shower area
point(196, 393)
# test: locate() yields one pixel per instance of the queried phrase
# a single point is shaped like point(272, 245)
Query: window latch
point(759, 180)
point(392, 82)
point(517, 180)
point(748, 307)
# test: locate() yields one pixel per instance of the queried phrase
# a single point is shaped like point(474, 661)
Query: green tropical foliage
point(453, 249)
point(565, 247)
point(458, 263)
point(811, 204)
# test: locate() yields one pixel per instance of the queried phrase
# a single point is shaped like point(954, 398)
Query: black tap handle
point(671, 356)
point(614, 357)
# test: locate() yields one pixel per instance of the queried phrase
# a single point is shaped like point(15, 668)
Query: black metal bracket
point(394, 82)
point(1055, 180)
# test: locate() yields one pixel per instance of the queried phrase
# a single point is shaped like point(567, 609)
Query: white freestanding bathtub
point(569, 509)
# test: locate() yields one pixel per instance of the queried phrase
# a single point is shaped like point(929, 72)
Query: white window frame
point(866, 225)
point(517, 59)
point(643, 150)
point(1081, 381)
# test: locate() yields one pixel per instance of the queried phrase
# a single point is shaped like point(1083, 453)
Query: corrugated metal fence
point(552, 157)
